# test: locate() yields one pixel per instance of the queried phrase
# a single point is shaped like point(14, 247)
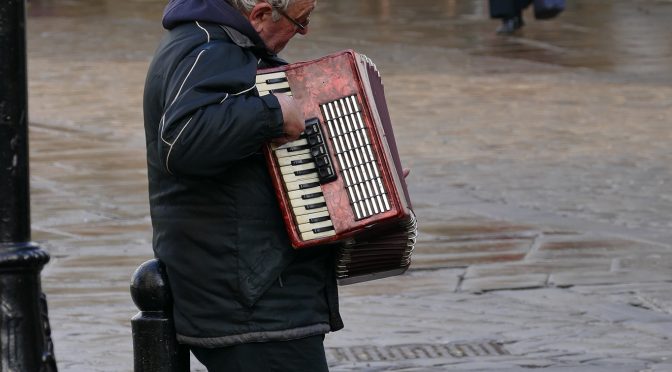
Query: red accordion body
point(354, 189)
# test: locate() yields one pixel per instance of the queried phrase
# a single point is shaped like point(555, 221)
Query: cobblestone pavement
point(540, 176)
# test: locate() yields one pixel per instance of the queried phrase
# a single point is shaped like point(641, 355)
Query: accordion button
point(318, 151)
point(322, 161)
point(315, 140)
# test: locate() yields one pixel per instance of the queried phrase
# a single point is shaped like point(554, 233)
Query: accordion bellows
point(342, 181)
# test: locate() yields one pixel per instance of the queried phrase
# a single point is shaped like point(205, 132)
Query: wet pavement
point(540, 175)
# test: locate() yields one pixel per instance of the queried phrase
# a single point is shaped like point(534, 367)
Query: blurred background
point(563, 126)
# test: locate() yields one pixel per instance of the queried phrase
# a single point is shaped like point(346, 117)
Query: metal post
point(25, 342)
point(155, 348)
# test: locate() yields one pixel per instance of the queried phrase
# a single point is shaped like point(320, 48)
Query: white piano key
point(291, 177)
point(262, 78)
point(287, 160)
point(296, 185)
point(304, 219)
point(289, 169)
point(296, 203)
point(309, 235)
point(297, 194)
point(310, 226)
point(265, 86)
point(302, 211)
point(282, 150)
point(267, 92)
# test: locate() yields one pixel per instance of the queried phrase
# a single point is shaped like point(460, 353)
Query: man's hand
point(294, 121)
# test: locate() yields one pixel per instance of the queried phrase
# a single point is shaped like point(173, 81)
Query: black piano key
point(281, 90)
point(297, 148)
point(276, 80)
point(308, 185)
point(302, 161)
point(323, 229)
point(305, 171)
point(315, 206)
point(319, 219)
point(312, 196)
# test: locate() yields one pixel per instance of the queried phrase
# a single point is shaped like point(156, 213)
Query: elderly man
point(244, 299)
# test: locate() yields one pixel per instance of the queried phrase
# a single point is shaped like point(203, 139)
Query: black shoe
point(510, 25)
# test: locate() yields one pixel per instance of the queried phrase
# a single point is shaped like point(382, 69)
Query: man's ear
point(259, 15)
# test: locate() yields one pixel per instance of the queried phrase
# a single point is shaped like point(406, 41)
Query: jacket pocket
point(263, 253)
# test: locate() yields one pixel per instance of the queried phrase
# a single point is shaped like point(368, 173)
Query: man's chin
point(278, 49)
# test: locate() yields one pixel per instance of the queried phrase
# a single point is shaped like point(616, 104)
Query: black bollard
point(155, 348)
point(25, 341)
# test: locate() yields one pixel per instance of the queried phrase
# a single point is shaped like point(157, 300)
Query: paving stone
point(606, 277)
point(522, 281)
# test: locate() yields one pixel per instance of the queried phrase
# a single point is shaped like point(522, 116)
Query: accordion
point(342, 181)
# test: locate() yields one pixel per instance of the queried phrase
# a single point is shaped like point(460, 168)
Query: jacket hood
point(213, 11)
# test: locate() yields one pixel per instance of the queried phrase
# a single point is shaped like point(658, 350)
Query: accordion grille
point(359, 166)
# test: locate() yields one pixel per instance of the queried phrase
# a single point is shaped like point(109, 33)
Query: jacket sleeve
point(213, 116)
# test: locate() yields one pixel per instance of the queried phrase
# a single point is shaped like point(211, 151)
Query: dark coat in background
point(507, 8)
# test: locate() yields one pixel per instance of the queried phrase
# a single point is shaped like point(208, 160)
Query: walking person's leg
point(510, 12)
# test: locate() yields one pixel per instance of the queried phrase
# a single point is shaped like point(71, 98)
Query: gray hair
point(245, 6)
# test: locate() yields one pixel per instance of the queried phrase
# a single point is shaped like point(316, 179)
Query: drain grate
point(355, 354)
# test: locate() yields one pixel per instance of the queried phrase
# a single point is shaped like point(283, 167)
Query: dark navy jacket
point(217, 226)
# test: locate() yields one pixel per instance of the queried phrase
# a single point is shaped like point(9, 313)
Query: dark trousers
point(302, 355)
point(507, 8)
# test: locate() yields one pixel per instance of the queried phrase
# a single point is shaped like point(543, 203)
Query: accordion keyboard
point(304, 165)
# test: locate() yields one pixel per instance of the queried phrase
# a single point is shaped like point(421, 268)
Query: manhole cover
point(356, 354)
